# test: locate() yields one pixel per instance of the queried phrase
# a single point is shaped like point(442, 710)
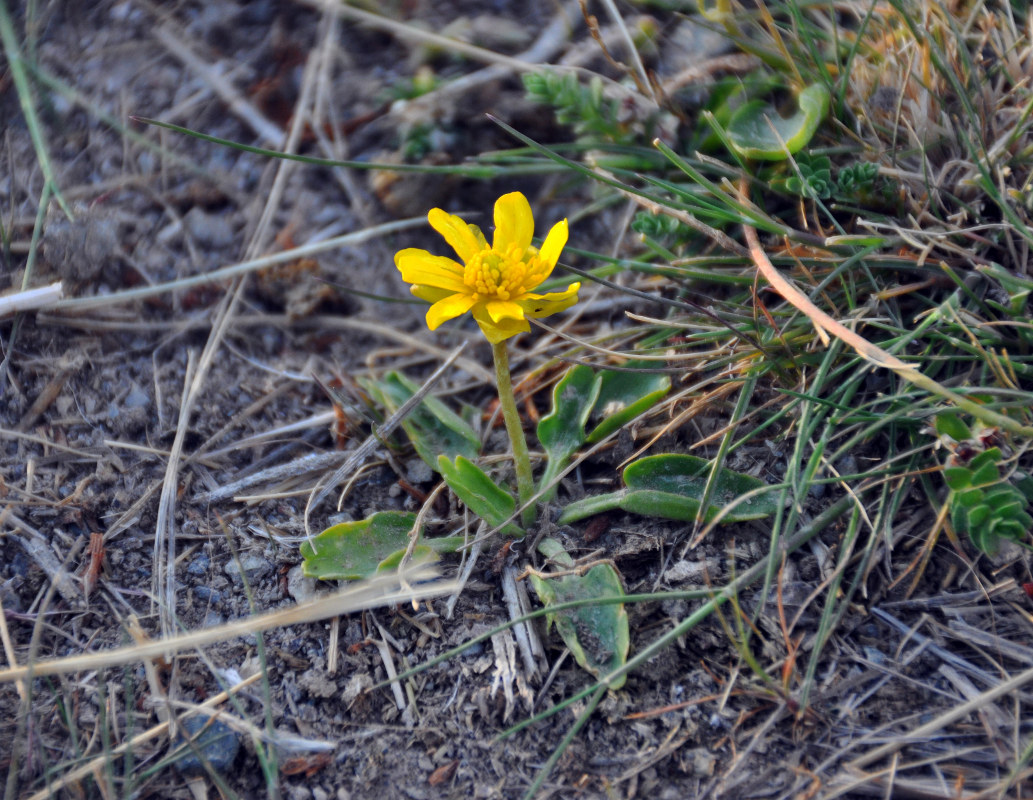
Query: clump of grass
point(921, 173)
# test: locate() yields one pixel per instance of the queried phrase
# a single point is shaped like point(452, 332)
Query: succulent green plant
point(984, 505)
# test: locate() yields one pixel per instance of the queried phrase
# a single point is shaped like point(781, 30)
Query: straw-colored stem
point(521, 457)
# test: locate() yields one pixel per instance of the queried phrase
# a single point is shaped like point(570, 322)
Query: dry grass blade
point(379, 591)
point(236, 270)
point(873, 354)
point(165, 529)
point(973, 706)
point(410, 32)
point(93, 765)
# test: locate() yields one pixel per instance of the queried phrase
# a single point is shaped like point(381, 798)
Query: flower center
point(491, 275)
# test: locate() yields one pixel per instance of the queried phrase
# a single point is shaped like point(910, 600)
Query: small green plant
point(814, 180)
point(496, 284)
point(660, 227)
point(856, 180)
point(584, 108)
point(984, 505)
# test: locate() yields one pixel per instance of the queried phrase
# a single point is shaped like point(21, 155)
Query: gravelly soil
point(92, 400)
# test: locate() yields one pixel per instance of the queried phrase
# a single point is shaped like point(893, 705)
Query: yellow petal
point(499, 310)
point(514, 223)
point(553, 245)
point(453, 306)
point(419, 266)
point(542, 305)
point(429, 294)
point(496, 332)
point(466, 240)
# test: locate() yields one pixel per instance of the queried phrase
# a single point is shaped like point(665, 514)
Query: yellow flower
point(494, 282)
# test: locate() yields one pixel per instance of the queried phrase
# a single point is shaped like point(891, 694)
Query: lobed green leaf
point(356, 550)
point(598, 636)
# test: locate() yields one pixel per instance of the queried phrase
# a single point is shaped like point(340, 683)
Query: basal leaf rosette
point(495, 283)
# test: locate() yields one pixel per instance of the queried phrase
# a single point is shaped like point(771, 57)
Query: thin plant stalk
point(521, 456)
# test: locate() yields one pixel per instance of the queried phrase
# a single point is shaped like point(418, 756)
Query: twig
point(519, 63)
point(30, 299)
point(525, 635)
point(37, 549)
point(308, 463)
point(243, 268)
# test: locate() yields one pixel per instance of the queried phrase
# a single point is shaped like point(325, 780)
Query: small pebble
point(205, 594)
point(254, 567)
point(209, 229)
point(137, 398)
point(417, 471)
point(218, 745)
point(299, 587)
point(199, 566)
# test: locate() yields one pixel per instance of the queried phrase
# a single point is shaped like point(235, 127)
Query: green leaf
point(592, 505)
point(671, 486)
point(1001, 494)
point(355, 550)
point(1008, 529)
point(976, 516)
point(990, 456)
point(479, 493)
point(1009, 509)
point(1024, 484)
point(984, 541)
point(950, 424)
point(421, 553)
point(757, 131)
point(960, 519)
point(986, 474)
point(432, 426)
point(562, 431)
point(968, 497)
point(957, 477)
point(597, 635)
point(624, 396)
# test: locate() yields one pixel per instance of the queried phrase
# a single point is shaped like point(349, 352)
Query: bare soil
point(92, 400)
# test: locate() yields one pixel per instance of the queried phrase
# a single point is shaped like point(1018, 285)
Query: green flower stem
point(521, 458)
